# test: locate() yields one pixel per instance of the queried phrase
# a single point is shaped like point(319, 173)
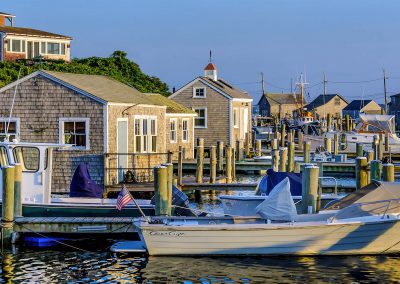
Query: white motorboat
point(371, 225)
point(369, 126)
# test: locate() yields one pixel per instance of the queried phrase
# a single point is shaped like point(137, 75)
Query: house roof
point(6, 14)
point(281, 99)
point(357, 104)
point(30, 32)
point(172, 106)
point(227, 88)
point(210, 66)
point(104, 88)
point(321, 100)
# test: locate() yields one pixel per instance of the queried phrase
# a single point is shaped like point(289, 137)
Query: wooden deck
point(74, 225)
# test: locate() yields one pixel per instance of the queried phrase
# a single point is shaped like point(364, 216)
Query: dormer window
point(199, 92)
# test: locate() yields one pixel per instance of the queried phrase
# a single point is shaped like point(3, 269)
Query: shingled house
point(279, 105)
point(354, 108)
point(323, 105)
point(94, 113)
point(223, 111)
point(27, 43)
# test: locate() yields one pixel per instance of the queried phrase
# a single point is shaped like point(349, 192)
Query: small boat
point(371, 225)
point(239, 205)
point(37, 200)
point(369, 126)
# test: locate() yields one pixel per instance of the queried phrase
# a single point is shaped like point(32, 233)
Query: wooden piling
point(309, 189)
point(161, 190)
point(283, 151)
point(258, 148)
point(291, 154)
point(239, 150)
point(220, 157)
point(170, 183)
point(306, 151)
point(274, 144)
point(289, 137)
point(388, 172)
point(276, 129)
point(275, 159)
point(213, 164)
point(359, 149)
point(180, 166)
point(329, 123)
point(380, 148)
point(200, 160)
point(169, 158)
point(336, 144)
point(387, 140)
point(361, 172)
point(375, 147)
point(247, 145)
point(370, 155)
point(300, 139)
point(376, 170)
point(233, 164)
point(18, 190)
point(7, 216)
point(328, 144)
point(347, 118)
point(283, 134)
point(228, 164)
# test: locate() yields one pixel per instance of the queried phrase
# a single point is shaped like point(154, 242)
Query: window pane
point(144, 126)
point(28, 157)
point(137, 126)
point(63, 48)
point(16, 45)
point(154, 143)
point(144, 143)
point(68, 127)
point(80, 127)
point(200, 122)
point(23, 46)
point(8, 43)
point(138, 144)
point(43, 48)
point(80, 140)
point(153, 127)
point(53, 48)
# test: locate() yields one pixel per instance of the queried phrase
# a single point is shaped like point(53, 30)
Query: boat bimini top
point(381, 123)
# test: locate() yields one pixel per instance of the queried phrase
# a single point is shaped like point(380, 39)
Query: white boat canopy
point(384, 123)
point(279, 205)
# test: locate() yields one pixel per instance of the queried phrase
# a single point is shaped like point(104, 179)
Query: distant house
point(28, 43)
point(280, 105)
point(394, 108)
point(324, 104)
point(223, 111)
point(98, 115)
point(180, 126)
point(365, 106)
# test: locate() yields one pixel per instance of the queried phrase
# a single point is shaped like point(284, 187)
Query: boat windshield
point(376, 122)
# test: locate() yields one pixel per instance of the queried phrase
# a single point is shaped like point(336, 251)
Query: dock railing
point(132, 167)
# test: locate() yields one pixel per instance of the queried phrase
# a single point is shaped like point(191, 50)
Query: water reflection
point(76, 267)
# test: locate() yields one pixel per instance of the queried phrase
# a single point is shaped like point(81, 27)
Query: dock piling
point(387, 139)
point(375, 147)
point(247, 144)
point(233, 164)
point(380, 148)
point(328, 144)
point(274, 144)
point(347, 118)
point(309, 189)
point(200, 160)
point(213, 164)
point(7, 216)
point(329, 123)
point(258, 148)
point(359, 149)
point(361, 172)
point(17, 190)
point(306, 151)
point(291, 152)
point(283, 151)
point(336, 144)
point(170, 183)
point(283, 134)
point(228, 164)
point(376, 170)
point(180, 166)
point(220, 157)
point(161, 190)
point(388, 172)
point(275, 159)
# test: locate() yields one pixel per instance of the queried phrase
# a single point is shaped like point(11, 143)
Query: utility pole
point(324, 94)
point(291, 85)
point(384, 89)
point(262, 83)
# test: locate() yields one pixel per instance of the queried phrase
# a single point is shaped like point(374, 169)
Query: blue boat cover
point(272, 178)
point(179, 198)
point(82, 185)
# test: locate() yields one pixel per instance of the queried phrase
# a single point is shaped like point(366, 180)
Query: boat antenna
point(12, 105)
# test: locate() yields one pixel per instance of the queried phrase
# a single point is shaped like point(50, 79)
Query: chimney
point(210, 71)
point(173, 90)
point(6, 18)
point(2, 21)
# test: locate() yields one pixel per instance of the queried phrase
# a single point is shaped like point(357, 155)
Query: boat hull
point(318, 238)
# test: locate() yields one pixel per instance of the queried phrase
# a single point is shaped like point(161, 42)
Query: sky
point(350, 40)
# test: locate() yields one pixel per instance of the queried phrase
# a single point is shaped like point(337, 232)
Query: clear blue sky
point(349, 40)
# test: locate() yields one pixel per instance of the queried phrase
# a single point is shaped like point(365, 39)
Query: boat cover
point(82, 185)
point(383, 122)
point(272, 178)
point(279, 205)
point(179, 198)
point(384, 199)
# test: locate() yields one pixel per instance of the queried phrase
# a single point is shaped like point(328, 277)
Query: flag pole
point(137, 205)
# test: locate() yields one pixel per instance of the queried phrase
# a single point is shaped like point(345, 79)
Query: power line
point(355, 82)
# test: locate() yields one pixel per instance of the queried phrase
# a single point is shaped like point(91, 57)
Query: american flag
point(124, 197)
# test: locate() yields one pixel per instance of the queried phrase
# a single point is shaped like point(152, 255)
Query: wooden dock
point(71, 225)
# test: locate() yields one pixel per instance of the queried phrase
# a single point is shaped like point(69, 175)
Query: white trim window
point(13, 128)
point(145, 134)
point(199, 92)
point(75, 131)
point(173, 131)
point(200, 121)
point(185, 130)
point(236, 118)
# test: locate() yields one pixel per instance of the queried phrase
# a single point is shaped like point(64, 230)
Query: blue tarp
point(82, 185)
point(272, 178)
